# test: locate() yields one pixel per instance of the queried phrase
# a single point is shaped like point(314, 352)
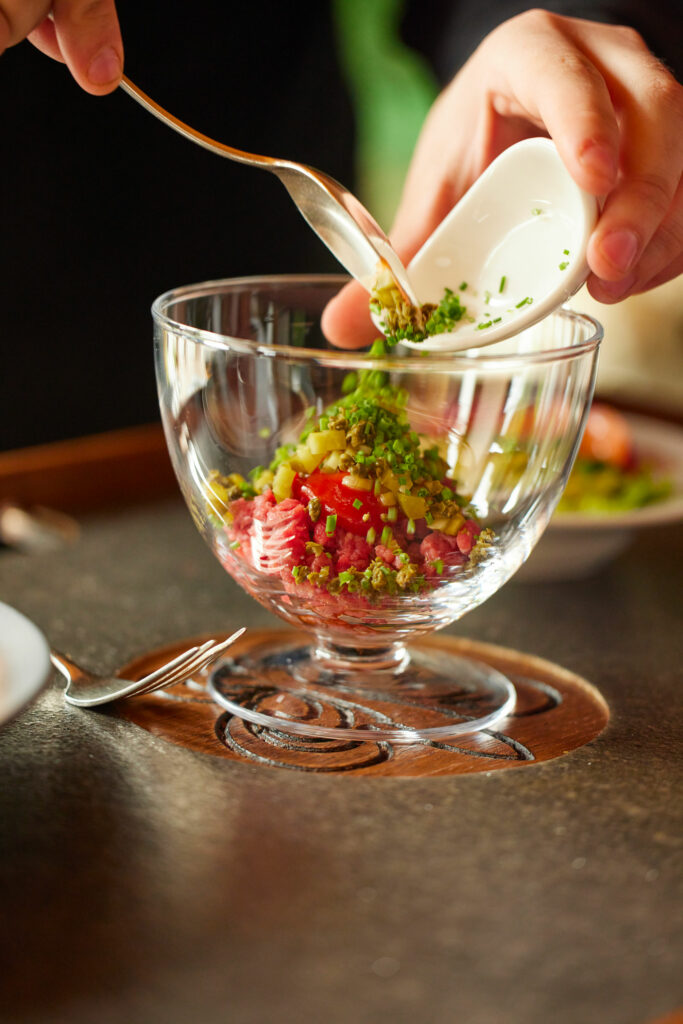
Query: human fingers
point(346, 318)
point(89, 39)
point(18, 18)
point(661, 261)
point(529, 77)
point(44, 38)
point(642, 207)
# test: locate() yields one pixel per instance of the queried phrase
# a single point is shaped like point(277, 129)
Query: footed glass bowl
point(368, 499)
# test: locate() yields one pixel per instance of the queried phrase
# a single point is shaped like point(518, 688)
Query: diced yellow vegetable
point(330, 463)
point(413, 506)
point(282, 482)
point(388, 498)
point(220, 492)
point(357, 483)
point(454, 524)
point(304, 460)
point(390, 481)
point(322, 441)
point(263, 480)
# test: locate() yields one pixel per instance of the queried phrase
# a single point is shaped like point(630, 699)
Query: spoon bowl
point(513, 248)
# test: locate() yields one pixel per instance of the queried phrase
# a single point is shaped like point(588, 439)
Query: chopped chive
point(525, 302)
point(565, 252)
point(497, 320)
point(536, 210)
point(438, 565)
point(235, 544)
point(487, 297)
point(264, 432)
point(371, 535)
point(463, 286)
point(410, 527)
point(392, 514)
point(501, 286)
point(357, 503)
point(563, 265)
point(480, 327)
point(330, 525)
point(386, 537)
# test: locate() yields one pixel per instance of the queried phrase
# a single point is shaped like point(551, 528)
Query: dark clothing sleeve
point(448, 31)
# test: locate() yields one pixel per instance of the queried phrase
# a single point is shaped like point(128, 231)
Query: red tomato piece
point(607, 437)
point(338, 499)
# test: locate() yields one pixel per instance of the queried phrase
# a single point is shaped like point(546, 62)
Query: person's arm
point(613, 110)
point(83, 34)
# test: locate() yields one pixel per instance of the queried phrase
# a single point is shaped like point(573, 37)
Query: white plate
point(24, 662)
point(577, 544)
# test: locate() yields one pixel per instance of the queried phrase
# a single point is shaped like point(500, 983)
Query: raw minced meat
point(361, 505)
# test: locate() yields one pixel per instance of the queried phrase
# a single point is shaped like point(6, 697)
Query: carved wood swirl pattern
point(556, 712)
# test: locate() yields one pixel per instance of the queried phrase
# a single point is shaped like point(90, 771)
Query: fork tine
point(182, 665)
point(204, 655)
point(198, 662)
point(176, 662)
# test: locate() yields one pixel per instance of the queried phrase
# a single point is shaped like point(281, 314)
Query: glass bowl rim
point(482, 358)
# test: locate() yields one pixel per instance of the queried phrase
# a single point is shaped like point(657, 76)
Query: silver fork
point(87, 690)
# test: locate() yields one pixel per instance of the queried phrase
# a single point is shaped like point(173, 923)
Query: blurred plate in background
point(579, 544)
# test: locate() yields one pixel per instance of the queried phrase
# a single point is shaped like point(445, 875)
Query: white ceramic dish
point(578, 544)
point(517, 237)
point(24, 662)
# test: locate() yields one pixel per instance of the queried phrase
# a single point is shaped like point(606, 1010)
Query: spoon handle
point(191, 133)
point(342, 222)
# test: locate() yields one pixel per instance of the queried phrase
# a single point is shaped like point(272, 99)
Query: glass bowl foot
point(394, 693)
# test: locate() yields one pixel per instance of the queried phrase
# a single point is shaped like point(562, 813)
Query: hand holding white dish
point(513, 248)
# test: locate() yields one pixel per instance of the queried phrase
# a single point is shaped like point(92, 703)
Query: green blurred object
point(392, 89)
point(599, 487)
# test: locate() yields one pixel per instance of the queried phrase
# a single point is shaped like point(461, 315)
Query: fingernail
point(620, 248)
point(599, 159)
point(105, 66)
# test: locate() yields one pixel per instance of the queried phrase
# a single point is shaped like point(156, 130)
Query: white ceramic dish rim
point(24, 662)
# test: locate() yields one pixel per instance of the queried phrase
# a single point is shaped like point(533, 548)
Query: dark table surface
point(142, 882)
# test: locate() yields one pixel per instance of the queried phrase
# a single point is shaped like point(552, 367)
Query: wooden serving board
point(556, 712)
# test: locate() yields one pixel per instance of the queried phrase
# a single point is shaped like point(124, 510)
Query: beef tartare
point(360, 504)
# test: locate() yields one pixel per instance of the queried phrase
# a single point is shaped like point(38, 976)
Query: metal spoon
point(341, 220)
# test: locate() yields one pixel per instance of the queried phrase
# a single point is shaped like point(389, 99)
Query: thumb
point(89, 39)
